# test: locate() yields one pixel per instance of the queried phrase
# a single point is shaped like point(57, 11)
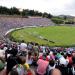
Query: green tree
point(45, 14)
point(25, 13)
point(14, 11)
point(31, 12)
point(49, 16)
point(4, 10)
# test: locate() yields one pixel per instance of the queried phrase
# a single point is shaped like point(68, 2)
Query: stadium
point(37, 27)
point(37, 43)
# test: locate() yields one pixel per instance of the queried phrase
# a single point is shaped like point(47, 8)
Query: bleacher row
point(7, 23)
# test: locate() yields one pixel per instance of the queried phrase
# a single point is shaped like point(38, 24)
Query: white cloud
point(55, 7)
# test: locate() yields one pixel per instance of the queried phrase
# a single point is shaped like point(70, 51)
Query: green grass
point(61, 35)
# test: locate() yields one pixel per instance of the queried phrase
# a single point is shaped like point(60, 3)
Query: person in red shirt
point(44, 57)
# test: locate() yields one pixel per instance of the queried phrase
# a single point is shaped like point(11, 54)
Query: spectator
point(13, 72)
point(29, 58)
point(23, 46)
point(51, 66)
point(42, 66)
point(56, 72)
point(12, 61)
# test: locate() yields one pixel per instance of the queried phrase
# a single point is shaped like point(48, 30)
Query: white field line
point(9, 31)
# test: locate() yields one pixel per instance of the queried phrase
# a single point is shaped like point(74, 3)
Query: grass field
point(52, 35)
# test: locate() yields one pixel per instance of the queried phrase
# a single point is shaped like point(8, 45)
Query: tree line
point(24, 12)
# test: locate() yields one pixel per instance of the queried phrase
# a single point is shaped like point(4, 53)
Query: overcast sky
point(55, 7)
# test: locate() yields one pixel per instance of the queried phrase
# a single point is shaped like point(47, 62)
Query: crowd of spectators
point(33, 59)
point(7, 23)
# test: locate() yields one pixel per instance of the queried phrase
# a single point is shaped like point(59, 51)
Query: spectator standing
point(23, 46)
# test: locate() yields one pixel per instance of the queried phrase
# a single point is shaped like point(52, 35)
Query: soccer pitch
point(51, 35)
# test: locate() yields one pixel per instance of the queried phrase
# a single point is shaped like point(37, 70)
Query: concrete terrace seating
point(7, 23)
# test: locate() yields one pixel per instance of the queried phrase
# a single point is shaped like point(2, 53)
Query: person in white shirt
point(23, 46)
point(63, 61)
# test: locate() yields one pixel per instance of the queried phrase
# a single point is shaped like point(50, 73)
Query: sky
point(55, 7)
